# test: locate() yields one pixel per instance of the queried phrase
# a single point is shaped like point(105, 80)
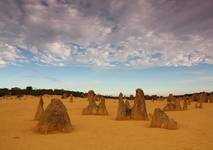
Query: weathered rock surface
point(54, 118)
point(161, 120)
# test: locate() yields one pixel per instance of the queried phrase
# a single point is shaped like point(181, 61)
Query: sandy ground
point(103, 133)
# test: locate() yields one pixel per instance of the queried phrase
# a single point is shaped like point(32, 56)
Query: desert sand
point(103, 132)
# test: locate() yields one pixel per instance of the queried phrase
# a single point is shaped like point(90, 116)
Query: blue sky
point(160, 80)
point(161, 46)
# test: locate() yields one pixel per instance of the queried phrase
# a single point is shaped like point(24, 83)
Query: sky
point(110, 46)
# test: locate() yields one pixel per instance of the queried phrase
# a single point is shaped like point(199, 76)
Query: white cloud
point(9, 54)
point(110, 33)
point(59, 50)
point(2, 62)
point(149, 51)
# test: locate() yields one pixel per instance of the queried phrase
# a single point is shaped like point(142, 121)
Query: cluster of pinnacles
point(173, 104)
point(67, 95)
point(53, 118)
point(186, 102)
point(137, 112)
point(93, 108)
point(201, 98)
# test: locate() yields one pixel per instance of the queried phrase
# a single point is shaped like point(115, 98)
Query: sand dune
point(103, 132)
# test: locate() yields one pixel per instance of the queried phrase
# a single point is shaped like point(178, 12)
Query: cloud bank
point(110, 33)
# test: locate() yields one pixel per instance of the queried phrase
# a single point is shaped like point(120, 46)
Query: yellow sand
point(103, 132)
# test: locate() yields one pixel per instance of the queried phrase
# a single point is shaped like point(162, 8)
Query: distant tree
point(154, 97)
point(131, 97)
point(29, 88)
point(15, 88)
point(4, 92)
point(16, 91)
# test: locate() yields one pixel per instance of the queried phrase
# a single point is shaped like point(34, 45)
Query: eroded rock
point(161, 120)
point(54, 118)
